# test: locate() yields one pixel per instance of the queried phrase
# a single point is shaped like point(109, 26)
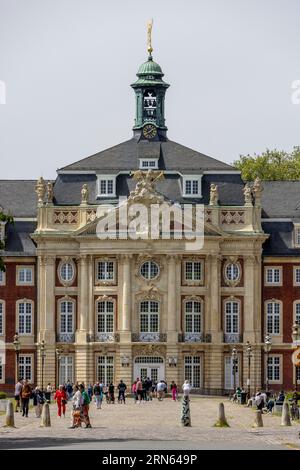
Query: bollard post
point(286, 417)
point(46, 422)
point(185, 412)
point(258, 421)
point(9, 417)
point(222, 421)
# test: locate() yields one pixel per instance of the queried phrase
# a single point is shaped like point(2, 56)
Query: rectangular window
point(66, 371)
point(297, 236)
point(106, 186)
point(1, 318)
point(297, 313)
point(105, 369)
point(105, 317)
point(273, 368)
point(231, 317)
point(2, 278)
point(25, 318)
point(25, 368)
point(25, 275)
point(150, 163)
point(193, 271)
point(273, 276)
point(192, 370)
point(273, 318)
point(1, 369)
point(229, 372)
point(192, 186)
point(297, 276)
point(105, 271)
point(66, 317)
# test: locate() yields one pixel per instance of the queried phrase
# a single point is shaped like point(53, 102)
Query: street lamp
point(249, 355)
point(43, 355)
point(59, 352)
point(16, 344)
point(268, 346)
point(234, 356)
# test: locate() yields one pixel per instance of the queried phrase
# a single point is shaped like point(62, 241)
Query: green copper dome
point(150, 68)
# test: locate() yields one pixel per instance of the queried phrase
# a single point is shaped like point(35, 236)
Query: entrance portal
point(147, 366)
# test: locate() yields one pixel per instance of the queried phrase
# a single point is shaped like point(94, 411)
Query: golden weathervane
point(149, 28)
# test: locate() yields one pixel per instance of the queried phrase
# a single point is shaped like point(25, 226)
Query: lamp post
point(43, 355)
point(249, 355)
point(59, 352)
point(268, 346)
point(295, 346)
point(16, 344)
point(234, 356)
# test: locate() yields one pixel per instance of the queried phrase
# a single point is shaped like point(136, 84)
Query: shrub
point(2, 395)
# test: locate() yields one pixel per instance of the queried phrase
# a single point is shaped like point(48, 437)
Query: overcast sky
point(68, 64)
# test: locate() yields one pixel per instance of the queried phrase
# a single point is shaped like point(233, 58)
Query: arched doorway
point(149, 366)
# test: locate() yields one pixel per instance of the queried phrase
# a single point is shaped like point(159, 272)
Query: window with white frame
point(192, 370)
point(231, 372)
point(2, 314)
point(232, 313)
point(297, 275)
point(149, 270)
point(66, 271)
point(105, 369)
point(193, 316)
point(26, 368)
point(149, 316)
point(1, 369)
point(146, 163)
point(191, 186)
point(273, 275)
point(105, 270)
point(67, 308)
point(193, 270)
point(25, 275)
point(66, 369)
point(273, 317)
point(297, 312)
point(105, 316)
point(2, 278)
point(297, 236)
point(232, 271)
point(273, 368)
point(25, 312)
point(106, 186)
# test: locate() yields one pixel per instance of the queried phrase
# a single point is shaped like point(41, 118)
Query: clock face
point(149, 131)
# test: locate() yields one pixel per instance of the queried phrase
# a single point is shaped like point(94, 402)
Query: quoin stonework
point(111, 308)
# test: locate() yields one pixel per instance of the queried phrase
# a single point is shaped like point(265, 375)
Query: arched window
point(25, 312)
point(149, 316)
point(232, 314)
point(193, 316)
point(273, 317)
point(66, 316)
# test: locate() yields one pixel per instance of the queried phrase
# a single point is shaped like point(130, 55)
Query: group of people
point(265, 401)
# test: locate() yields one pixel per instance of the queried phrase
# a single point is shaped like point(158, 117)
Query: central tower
point(150, 92)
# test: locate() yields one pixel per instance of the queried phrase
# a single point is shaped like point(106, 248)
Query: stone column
point(125, 330)
point(249, 299)
point(91, 313)
point(171, 322)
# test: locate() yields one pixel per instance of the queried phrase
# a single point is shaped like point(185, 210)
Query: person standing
point(38, 401)
point(77, 403)
point(174, 390)
point(90, 392)
point(85, 406)
point(18, 391)
point(26, 394)
point(61, 400)
point(148, 385)
point(111, 393)
point(98, 394)
point(69, 389)
point(122, 388)
point(139, 389)
point(160, 387)
point(133, 389)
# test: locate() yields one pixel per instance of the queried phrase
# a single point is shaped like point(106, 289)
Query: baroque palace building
point(110, 309)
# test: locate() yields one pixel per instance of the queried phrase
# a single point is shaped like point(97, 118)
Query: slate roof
point(18, 197)
point(18, 241)
point(125, 155)
point(281, 199)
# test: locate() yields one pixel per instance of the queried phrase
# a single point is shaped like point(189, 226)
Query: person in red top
point(61, 400)
point(139, 387)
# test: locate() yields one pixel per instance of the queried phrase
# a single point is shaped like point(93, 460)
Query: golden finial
point(149, 27)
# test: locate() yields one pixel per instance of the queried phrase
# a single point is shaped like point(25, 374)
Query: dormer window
point(297, 236)
point(106, 186)
point(148, 163)
point(191, 186)
point(2, 232)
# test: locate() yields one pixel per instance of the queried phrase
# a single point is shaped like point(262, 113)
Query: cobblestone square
point(152, 425)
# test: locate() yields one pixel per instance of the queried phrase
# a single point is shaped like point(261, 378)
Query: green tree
point(270, 165)
point(9, 219)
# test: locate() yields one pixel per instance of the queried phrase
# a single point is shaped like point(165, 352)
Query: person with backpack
point(85, 406)
point(38, 401)
point(98, 394)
